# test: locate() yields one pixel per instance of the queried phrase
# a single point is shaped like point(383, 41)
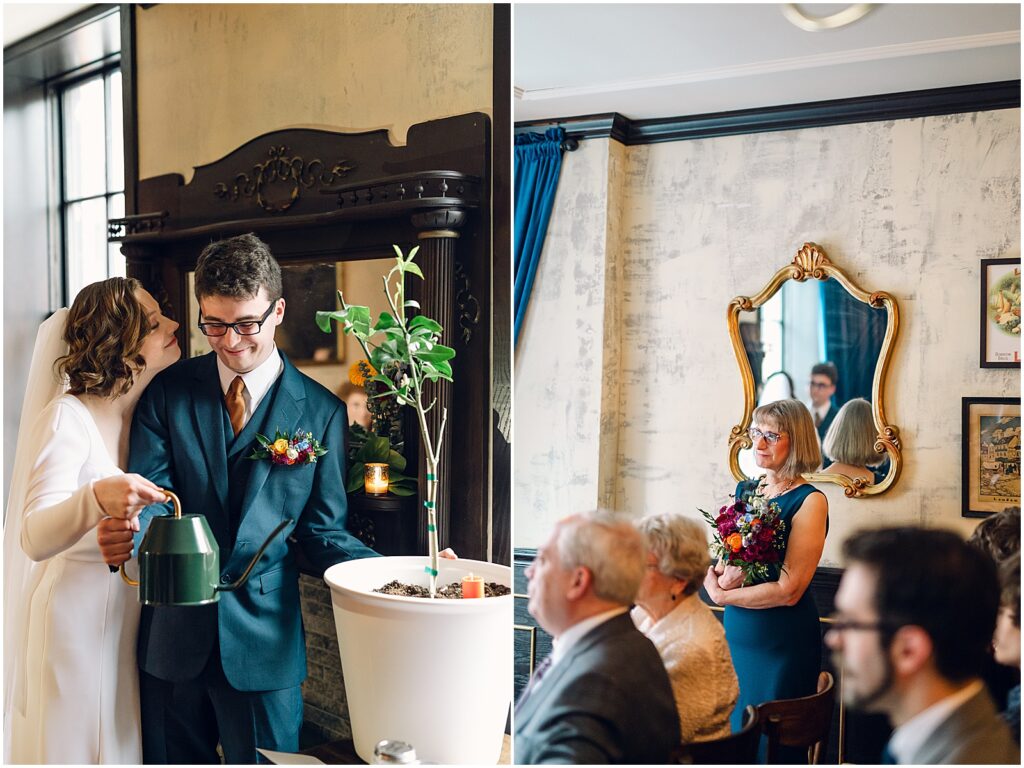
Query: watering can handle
point(177, 513)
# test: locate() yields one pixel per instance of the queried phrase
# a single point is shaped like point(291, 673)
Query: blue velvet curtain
point(853, 339)
point(538, 162)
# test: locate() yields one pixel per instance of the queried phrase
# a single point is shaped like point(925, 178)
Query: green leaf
point(422, 321)
point(438, 353)
point(385, 381)
point(444, 369)
point(376, 449)
point(401, 490)
point(380, 358)
point(396, 461)
point(384, 322)
point(323, 320)
point(412, 304)
point(413, 268)
point(355, 477)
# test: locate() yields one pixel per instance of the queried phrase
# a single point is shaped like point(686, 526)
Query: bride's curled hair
point(105, 328)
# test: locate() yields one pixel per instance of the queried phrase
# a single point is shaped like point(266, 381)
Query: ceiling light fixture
point(808, 23)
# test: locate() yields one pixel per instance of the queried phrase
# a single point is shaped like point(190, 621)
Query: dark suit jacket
point(826, 422)
point(608, 701)
point(178, 441)
point(973, 733)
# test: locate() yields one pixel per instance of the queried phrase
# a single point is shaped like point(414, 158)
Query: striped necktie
point(538, 673)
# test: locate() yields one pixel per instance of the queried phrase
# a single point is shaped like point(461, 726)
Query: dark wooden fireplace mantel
point(322, 196)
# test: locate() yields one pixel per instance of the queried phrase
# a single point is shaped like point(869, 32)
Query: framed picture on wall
point(1000, 313)
point(991, 455)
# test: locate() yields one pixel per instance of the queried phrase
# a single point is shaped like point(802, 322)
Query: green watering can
point(179, 561)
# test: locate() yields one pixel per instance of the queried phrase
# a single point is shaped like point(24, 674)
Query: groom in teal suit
point(230, 672)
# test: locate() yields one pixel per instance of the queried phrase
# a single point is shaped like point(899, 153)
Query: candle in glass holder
point(375, 479)
point(472, 586)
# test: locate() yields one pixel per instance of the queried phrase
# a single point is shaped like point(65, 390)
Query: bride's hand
point(124, 496)
point(114, 536)
point(731, 577)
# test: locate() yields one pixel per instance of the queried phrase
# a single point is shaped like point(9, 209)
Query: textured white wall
point(908, 206)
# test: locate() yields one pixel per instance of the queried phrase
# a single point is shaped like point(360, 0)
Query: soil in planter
point(452, 592)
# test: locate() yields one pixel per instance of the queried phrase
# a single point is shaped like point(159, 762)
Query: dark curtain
point(853, 339)
point(538, 162)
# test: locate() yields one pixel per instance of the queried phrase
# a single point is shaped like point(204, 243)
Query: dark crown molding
point(815, 114)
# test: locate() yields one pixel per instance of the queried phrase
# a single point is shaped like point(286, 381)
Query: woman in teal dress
point(772, 627)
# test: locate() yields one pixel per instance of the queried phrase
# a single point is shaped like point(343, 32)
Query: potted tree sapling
point(431, 671)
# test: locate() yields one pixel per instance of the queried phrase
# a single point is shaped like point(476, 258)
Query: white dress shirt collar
point(258, 381)
point(908, 739)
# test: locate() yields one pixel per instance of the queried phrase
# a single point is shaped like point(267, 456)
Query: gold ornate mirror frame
point(811, 262)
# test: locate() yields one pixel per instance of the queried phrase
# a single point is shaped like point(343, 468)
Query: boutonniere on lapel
point(300, 448)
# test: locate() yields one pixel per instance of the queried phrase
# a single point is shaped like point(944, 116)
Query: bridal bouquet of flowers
point(749, 536)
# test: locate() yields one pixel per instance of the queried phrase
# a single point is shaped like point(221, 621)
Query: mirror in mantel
point(809, 314)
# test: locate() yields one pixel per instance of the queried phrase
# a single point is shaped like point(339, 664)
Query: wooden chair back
point(738, 748)
point(803, 722)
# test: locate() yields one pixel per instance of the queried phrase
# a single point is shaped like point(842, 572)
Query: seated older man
point(603, 695)
point(689, 638)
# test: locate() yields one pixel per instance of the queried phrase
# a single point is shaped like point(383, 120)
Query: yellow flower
point(280, 446)
point(355, 373)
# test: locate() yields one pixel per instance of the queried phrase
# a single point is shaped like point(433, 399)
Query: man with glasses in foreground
point(916, 609)
point(230, 672)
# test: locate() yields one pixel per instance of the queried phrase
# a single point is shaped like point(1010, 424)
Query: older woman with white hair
point(689, 638)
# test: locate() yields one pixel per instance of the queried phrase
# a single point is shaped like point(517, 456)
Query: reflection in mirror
point(824, 342)
point(326, 358)
point(814, 342)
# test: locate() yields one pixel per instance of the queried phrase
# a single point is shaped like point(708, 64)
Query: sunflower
point(360, 371)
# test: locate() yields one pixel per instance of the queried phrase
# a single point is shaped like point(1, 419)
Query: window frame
point(55, 89)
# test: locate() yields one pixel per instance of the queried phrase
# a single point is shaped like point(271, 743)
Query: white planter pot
point(434, 673)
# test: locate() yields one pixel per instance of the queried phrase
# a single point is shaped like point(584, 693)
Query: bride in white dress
point(70, 676)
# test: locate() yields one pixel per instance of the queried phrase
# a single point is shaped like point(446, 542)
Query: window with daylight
point(92, 176)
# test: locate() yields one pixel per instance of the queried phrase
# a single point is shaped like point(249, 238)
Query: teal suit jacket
point(178, 442)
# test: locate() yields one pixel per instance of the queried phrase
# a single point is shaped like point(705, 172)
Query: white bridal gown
point(76, 696)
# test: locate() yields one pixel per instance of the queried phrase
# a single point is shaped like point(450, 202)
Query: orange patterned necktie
point(236, 404)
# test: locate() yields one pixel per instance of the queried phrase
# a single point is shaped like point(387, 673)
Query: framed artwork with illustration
point(1000, 313)
point(991, 455)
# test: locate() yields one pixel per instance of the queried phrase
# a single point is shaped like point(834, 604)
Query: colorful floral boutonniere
point(300, 448)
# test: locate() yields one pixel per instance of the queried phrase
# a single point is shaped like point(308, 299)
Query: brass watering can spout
point(179, 560)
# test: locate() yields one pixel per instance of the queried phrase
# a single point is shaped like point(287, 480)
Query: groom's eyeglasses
point(242, 327)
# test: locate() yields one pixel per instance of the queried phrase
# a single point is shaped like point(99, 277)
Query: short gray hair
point(793, 418)
point(681, 546)
point(851, 438)
point(610, 547)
